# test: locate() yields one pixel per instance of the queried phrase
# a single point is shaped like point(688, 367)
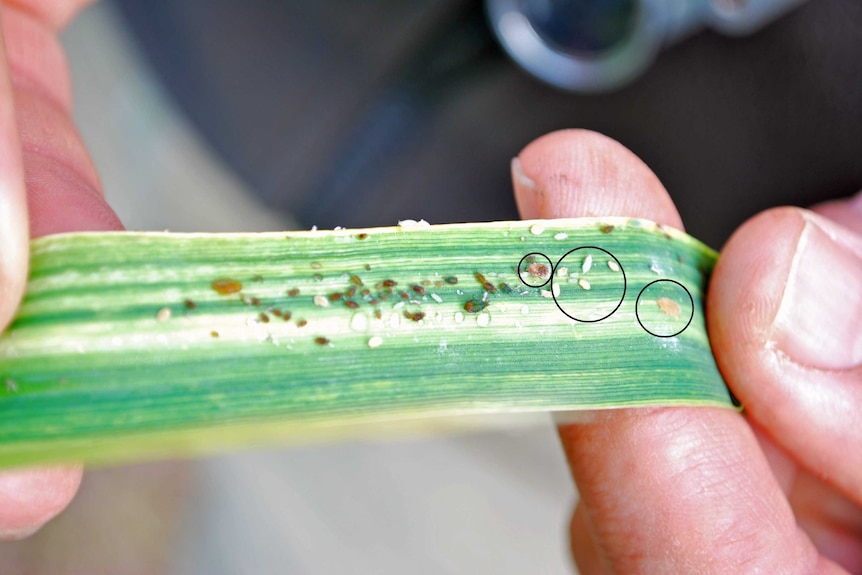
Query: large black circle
point(622, 297)
point(550, 266)
point(639, 299)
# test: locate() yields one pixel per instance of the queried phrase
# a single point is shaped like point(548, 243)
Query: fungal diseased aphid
point(226, 286)
point(538, 270)
point(475, 306)
point(669, 307)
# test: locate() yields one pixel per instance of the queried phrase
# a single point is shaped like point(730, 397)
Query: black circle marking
point(622, 297)
point(550, 268)
point(688, 293)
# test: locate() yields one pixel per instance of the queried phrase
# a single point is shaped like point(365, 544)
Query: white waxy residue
point(436, 298)
point(375, 341)
point(588, 263)
point(561, 236)
point(584, 284)
point(163, 315)
point(537, 229)
point(320, 301)
point(615, 267)
point(483, 319)
point(459, 317)
point(359, 322)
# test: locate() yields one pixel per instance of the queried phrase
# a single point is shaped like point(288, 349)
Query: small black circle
point(549, 267)
point(622, 297)
point(688, 293)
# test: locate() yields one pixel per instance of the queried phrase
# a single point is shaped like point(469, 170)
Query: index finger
point(663, 490)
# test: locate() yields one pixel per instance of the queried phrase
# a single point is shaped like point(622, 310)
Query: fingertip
point(29, 498)
point(782, 313)
point(579, 173)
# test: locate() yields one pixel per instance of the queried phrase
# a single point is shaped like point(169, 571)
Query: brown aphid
point(263, 317)
point(481, 278)
point(351, 304)
point(351, 291)
point(475, 306)
point(489, 287)
point(378, 314)
point(426, 283)
point(255, 301)
point(404, 295)
point(361, 236)
point(286, 315)
point(366, 292)
point(213, 333)
point(438, 284)
point(415, 316)
point(226, 286)
point(418, 289)
point(538, 270)
point(389, 283)
point(335, 296)
point(321, 341)
point(276, 312)
point(374, 301)
point(504, 287)
point(301, 323)
point(367, 267)
point(451, 280)
point(190, 304)
point(293, 292)
point(356, 280)
point(669, 307)
point(606, 228)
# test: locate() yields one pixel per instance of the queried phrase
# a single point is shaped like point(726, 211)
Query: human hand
point(43, 165)
point(707, 490)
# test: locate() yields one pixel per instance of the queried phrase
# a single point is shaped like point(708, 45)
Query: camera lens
point(582, 28)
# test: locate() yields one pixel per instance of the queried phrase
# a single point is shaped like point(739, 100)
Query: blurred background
point(209, 115)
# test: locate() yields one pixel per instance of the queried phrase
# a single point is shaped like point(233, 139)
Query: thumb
point(785, 305)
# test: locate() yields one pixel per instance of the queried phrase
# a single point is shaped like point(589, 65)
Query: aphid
point(475, 306)
point(481, 279)
point(669, 307)
point(351, 304)
point(263, 317)
point(418, 289)
point(374, 301)
point(293, 292)
point(356, 280)
point(451, 280)
point(286, 315)
point(606, 228)
point(378, 314)
point(389, 283)
point(404, 295)
point(367, 267)
point(276, 312)
point(301, 323)
point(538, 270)
point(489, 287)
point(351, 291)
point(316, 265)
point(366, 292)
point(361, 236)
point(190, 304)
point(317, 277)
point(226, 286)
point(321, 341)
point(438, 283)
point(255, 301)
point(426, 283)
point(213, 333)
point(257, 278)
point(335, 296)
point(416, 316)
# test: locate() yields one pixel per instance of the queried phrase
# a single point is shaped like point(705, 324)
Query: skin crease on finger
point(63, 193)
point(663, 490)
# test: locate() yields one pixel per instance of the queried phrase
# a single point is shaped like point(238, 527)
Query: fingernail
point(18, 534)
point(819, 320)
point(856, 202)
point(525, 191)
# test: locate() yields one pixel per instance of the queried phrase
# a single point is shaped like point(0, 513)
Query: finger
point(665, 489)
point(64, 194)
point(53, 13)
point(847, 212)
point(583, 544)
point(784, 316)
